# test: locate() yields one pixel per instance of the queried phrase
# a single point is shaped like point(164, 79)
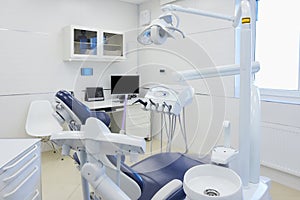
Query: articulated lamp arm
point(162, 28)
point(196, 12)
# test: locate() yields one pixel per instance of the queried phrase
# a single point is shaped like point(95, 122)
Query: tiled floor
point(60, 178)
point(280, 192)
point(61, 181)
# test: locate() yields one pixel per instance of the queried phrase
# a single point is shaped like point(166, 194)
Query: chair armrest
point(167, 190)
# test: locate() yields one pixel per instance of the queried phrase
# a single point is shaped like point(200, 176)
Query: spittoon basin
point(211, 182)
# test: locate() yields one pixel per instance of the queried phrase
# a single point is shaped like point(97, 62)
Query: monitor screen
point(94, 94)
point(125, 84)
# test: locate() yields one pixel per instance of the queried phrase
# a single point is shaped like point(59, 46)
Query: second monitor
point(125, 84)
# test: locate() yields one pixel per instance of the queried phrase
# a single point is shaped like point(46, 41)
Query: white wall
point(280, 143)
point(31, 56)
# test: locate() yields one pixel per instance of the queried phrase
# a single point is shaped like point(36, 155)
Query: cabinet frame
point(70, 43)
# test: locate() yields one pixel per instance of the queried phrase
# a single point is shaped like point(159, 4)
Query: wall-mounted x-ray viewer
point(94, 94)
point(86, 71)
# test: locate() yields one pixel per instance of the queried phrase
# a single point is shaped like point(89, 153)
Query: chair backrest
point(77, 110)
point(40, 121)
point(77, 107)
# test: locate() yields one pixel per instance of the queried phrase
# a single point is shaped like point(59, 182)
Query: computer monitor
point(125, 84)
point(94, 94)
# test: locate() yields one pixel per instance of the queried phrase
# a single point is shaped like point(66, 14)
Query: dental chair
point(101, 162)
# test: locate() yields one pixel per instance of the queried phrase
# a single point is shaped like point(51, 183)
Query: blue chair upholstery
point(159, 169)
point(81, 110)
point(154, 172)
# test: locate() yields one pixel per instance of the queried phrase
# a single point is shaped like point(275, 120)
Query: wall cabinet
point(20, 169)
point(92, 44)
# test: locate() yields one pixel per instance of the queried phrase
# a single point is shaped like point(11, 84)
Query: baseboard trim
point(281, 177)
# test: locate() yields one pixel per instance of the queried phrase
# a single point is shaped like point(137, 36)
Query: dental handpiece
point(141, 102)
point(168, 106)
point(154, 104)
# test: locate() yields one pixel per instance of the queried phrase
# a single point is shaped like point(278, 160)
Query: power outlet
point(162, 70)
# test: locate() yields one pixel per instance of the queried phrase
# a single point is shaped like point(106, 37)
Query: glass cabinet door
point(112, 44)
point(85, 42)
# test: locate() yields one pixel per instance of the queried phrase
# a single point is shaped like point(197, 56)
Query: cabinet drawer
point(139, 114)
point(139, 131)
point(22, 186)
point(36, 195)
point(19, 165)
point(136, 109)
point(137, 121)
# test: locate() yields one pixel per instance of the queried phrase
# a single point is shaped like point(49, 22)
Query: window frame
point(267, 94)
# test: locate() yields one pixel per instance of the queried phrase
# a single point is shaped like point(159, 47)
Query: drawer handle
point(22, 169)
point(22, 183)
point(37, 193)
point(20, 160)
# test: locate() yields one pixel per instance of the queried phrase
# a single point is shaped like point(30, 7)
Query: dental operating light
point(160, 29)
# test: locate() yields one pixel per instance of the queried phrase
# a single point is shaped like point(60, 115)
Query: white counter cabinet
point(20, 169)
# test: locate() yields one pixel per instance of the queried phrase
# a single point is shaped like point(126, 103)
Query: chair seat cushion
point(157, 170)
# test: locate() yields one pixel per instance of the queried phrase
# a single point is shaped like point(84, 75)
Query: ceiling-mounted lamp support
point(235, 19)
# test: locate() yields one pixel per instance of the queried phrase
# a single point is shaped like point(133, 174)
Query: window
point(277, 48)
point(277, 41)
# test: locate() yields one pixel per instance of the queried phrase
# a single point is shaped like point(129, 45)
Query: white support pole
point(245, 93)
point(123, 131)
point(84, 182)
point(255, 140)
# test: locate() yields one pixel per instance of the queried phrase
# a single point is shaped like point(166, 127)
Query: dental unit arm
point(169, 99)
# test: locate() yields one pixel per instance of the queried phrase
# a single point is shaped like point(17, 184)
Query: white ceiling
point(135, 1)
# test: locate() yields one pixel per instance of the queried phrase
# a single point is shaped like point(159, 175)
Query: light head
point(160, 29)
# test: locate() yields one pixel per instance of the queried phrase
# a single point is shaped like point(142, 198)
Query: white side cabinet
point(20, 169)
point(92, 44)
point(138, 121)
